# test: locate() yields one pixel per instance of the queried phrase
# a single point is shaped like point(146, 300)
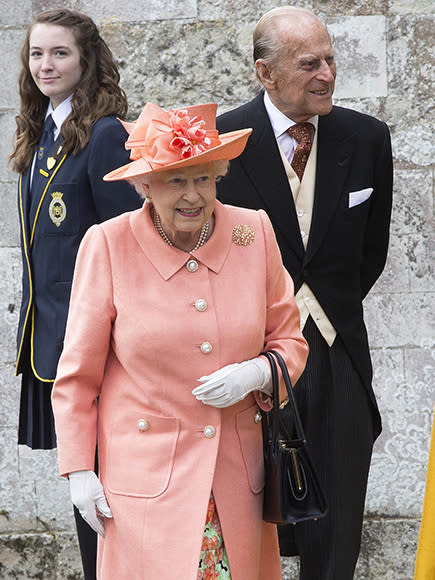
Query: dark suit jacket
point(347, 246)
point(52, 224)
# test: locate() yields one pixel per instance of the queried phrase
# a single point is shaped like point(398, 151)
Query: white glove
point(86, 494)
point(232, 383)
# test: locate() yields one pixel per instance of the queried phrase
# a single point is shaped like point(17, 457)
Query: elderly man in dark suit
point(324, 176)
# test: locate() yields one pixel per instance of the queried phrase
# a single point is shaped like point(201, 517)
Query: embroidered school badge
point(57, 208)
point(51, 162)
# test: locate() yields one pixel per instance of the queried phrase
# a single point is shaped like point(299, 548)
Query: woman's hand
point(87, 494)
point(232, 383)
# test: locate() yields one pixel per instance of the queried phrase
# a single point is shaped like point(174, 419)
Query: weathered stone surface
point(10, 292)
point(15, 14)
point(187, 51)
point(7, 131)
point(10, 46)
point(387, 550)
point(9, 235)
point(399, 319)
point(41, 556)
point(361, 56)
point(397, 474)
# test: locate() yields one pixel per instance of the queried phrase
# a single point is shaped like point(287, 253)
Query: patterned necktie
point(302, 133)
point(43, 151)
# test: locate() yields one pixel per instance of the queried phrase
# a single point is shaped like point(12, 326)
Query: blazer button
point(201, 305)
point(206, 347)
point(192, 265)
point(257, 417)
point(143, 425)
point(209, 431)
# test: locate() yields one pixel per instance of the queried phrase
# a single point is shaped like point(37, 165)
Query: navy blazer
point(52, 222)
point(347, 246)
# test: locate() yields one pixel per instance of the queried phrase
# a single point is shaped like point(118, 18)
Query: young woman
point(67, 138)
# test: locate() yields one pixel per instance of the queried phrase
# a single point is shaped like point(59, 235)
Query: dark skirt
point(36, 422)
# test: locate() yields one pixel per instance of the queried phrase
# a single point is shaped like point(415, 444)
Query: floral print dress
point(213, 560)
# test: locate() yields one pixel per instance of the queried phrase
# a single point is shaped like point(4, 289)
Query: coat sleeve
point(107, 152)
point(378, 225)
point(82, 363)
point(283, 332)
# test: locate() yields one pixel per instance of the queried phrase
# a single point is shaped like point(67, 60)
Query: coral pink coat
point(142, 329)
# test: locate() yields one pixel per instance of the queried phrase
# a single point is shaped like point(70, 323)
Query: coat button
point(142, 425)
point(192, 265)
point(201, 305)
point(209, 431)
point(257, 417)
point(206, 347)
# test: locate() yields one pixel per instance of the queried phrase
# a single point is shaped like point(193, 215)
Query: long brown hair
point(97, 94)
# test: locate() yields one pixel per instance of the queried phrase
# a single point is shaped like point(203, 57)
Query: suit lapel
point(272, 184)
point(334, 153)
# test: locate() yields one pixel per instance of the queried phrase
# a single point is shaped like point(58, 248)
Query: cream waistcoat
point(303, 195)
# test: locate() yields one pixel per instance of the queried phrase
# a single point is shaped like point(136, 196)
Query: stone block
point(387, 550)
point(43, 556)
point(9, 396)
point(10, 296)
point(17, 498)
point(412, 202)
point(9, 227)
point(395, 277)
point(199, 67)
point(413, 6)
point(290, 568)
point(223, 9)
point(53, 511)
point(142, 10)
point(15, 13)
point(7, 130)
point(400, 319)
point(360, 47)
point(397, 473)
point(10, 47)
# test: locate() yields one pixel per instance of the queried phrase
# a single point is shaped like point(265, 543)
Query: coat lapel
point(334, 154)
point(272, 184)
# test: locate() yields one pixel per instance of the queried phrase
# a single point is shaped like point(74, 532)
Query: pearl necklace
point(201, 240)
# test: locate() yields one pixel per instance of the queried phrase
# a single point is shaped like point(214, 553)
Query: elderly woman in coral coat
point(171, 308)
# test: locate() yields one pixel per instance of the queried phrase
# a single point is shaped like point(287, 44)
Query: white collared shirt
point(59, 114)
point(280, 124)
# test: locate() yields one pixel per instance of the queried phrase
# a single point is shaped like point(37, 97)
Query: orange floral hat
point(163, 140)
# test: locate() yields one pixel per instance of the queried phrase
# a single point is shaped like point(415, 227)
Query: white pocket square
point(357, 197)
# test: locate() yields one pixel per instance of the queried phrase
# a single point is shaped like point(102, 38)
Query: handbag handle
point(271, 355)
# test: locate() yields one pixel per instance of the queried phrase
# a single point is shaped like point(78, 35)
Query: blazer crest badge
point(57, 208)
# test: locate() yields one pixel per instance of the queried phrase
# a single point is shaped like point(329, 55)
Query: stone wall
point(175, 52)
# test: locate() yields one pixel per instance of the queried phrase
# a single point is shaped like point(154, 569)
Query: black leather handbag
point(292, 492)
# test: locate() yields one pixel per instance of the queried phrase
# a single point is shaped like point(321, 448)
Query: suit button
point(305, 272)
point(192, 265)
point(209, 431)
point(201, 305)
point(143, 425)
point(206, 347)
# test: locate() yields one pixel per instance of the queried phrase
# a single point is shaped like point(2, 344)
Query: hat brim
point(231, 146)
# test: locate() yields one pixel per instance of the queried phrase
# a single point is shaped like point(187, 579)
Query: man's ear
point(265, 74)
